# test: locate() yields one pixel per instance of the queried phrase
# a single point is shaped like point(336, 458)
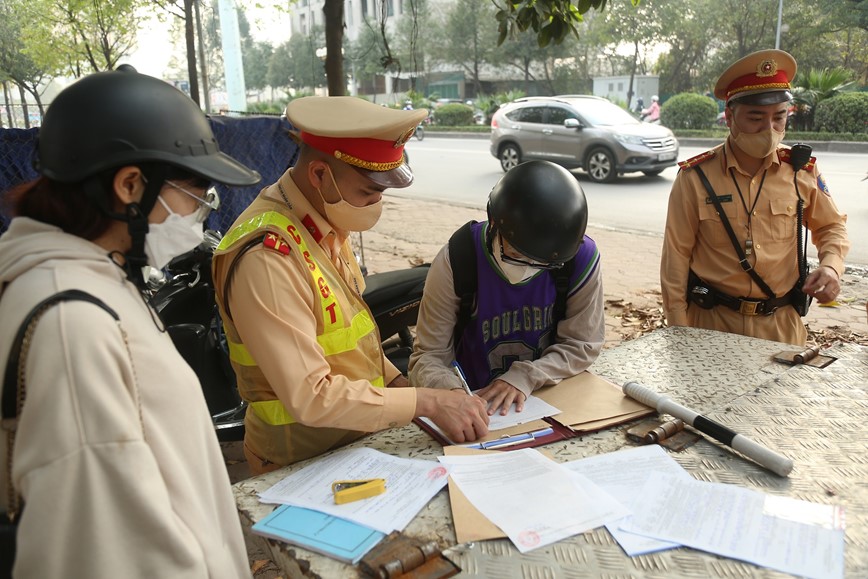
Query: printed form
point(410, 484)
point(622, 474)
point(534, 500)
point(789, 535)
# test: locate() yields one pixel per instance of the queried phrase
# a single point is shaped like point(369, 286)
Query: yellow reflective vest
point(346, 333)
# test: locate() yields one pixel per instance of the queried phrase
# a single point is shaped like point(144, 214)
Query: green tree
point(80, 36)
point(15, 64)
point(368, 57)
point(551, 20)
point(641, 27)
point(256, 56)
point(468, 37)
point(295, 63)
point(413, 38)
point(812, 87)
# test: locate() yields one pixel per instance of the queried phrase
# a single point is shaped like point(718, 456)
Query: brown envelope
point(470, 524)
point(588, 402)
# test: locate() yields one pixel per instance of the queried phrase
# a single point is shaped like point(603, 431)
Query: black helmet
point(540, 209)
point(112, 119)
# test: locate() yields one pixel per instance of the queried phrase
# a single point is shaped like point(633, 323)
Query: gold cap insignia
point(767, 68)
point(405, 136)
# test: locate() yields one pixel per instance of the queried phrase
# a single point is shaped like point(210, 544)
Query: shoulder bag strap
point(14, 391)
point(742, 258)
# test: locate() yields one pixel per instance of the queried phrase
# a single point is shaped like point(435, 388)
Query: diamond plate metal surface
point(817, 417)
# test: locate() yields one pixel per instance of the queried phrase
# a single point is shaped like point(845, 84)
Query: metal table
point(815, 416)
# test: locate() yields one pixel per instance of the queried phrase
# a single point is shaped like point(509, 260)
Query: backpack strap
point(462, 258)
point(562, 285)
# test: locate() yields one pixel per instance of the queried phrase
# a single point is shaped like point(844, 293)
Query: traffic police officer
point(703, 281)
point(303, 344)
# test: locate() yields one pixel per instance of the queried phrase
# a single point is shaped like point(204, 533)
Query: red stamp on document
point(528, 538)
point(436, 472)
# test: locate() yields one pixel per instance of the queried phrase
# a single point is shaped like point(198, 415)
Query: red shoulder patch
point(276, 243)
point(312, 228)
point(784, 156)
point(700, 158)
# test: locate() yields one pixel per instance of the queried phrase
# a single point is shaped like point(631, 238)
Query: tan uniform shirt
point(580, 335)
point(275, 311)
point(696, 239)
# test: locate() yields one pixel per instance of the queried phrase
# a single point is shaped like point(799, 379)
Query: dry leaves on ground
point(835, 334)
point(637, 320)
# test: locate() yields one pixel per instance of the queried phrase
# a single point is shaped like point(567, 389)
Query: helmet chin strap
point(135, 215)
point(135, 259)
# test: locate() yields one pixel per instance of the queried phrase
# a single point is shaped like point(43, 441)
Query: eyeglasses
point(207, 203)
point(516, 261)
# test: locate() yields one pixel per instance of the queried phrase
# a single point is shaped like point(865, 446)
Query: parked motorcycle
point(184, 298)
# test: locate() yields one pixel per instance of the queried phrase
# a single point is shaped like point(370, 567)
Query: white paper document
point(743, 524)
point(622, 474)
point(410, 484)
point(534, 409)
point(532, 499)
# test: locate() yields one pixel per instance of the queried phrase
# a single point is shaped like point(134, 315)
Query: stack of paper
point(535, 501)
point(410, 484)
point(663, 507)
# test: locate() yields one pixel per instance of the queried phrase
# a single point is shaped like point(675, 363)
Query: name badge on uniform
point(721, 198)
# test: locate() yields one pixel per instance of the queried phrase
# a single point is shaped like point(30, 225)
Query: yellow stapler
point(347, 491)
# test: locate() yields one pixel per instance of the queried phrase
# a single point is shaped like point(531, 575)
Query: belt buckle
point(749, 308)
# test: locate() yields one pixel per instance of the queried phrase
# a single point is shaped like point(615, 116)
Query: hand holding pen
point(498, 395)
point(460, 373)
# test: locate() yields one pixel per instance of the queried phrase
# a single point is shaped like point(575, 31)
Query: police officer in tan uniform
point(303, 344)
point(703, 281)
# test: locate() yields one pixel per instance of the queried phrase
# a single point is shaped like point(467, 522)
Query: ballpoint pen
point(460, 373)
point(511, 440)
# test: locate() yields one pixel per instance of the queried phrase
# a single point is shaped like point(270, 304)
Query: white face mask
point(173, 237)
point(513, 272)
point(347, 217)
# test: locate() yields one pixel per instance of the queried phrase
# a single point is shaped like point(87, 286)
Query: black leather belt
point(707, 297)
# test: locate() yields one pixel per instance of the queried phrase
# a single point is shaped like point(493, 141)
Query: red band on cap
point(370, 154)
point(748, 82)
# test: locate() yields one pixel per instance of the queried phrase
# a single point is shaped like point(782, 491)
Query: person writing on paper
point(302, 342)
point(115, 458)
point(514, 331)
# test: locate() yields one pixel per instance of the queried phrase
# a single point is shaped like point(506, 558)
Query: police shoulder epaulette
point(276, 243)
point(700, 158)
point(784, 156)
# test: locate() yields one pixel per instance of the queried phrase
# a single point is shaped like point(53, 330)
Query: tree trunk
point(192, 72)
point(202, 62)
point(632, 73)
point(24, 107)
point(334, 33)
point(7, 102)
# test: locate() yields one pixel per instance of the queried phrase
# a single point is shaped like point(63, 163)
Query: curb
point(823, 146)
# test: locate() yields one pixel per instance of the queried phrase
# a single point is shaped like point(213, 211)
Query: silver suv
point(580, 131)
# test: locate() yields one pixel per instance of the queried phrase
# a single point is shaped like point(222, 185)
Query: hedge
point(688, 111)
point(844, 113)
